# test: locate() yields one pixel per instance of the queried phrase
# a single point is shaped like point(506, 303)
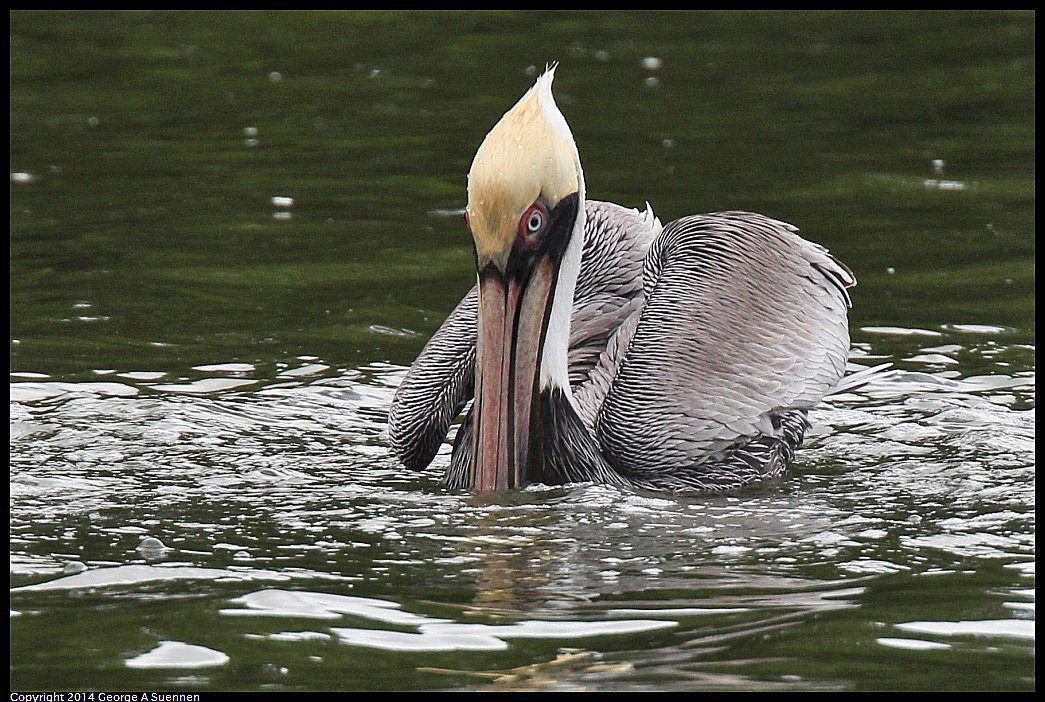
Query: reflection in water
point(1015, 628)
point(431, 634)
point(175, 654)
point(292, 482)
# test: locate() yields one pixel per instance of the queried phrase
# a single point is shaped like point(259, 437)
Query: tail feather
point(861, 378)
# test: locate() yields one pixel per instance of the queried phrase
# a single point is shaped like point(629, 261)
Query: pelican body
point(599, 345)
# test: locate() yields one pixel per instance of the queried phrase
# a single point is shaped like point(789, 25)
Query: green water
point(194, 363)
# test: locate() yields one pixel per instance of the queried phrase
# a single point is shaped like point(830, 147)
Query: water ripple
point(922, 481)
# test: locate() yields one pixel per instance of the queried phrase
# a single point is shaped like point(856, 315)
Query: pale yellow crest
point(529, 152)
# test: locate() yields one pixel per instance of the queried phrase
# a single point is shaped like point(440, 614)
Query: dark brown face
point(514, 306)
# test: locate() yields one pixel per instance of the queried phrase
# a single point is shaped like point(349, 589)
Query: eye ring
point(533, 223)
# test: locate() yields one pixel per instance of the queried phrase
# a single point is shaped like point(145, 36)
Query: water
point(202, 495)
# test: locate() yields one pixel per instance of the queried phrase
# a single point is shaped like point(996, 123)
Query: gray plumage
point(696, 350)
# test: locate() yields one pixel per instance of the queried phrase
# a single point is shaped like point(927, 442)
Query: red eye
point(533, 223)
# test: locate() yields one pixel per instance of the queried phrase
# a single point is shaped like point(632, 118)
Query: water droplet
point(933, 184)
point(152, 549)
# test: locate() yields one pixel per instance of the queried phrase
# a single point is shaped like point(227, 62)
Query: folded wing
point(743, 322)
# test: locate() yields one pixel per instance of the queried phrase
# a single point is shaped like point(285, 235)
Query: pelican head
point(526, 215)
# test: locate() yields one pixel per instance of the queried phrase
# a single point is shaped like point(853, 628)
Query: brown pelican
point(599, 345)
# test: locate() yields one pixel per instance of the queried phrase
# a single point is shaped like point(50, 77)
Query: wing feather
point(437, 387)
point(743, 320)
